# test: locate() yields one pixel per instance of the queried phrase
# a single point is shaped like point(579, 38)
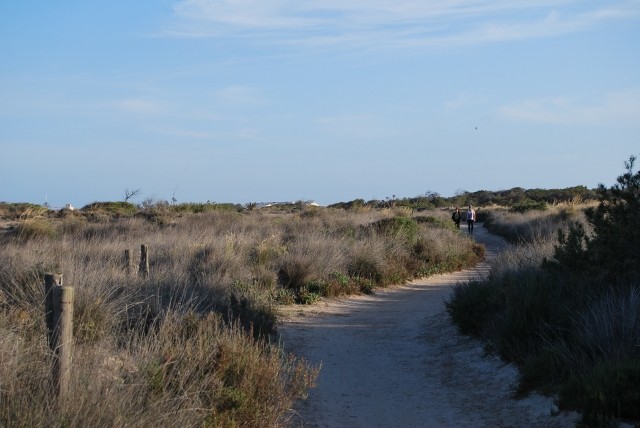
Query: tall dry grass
point(535, 225)
point(190, 344)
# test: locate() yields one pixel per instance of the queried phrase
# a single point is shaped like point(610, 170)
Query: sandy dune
point(394, 360)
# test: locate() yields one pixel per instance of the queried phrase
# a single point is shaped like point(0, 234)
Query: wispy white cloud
point(614, 108)
point(392, 23)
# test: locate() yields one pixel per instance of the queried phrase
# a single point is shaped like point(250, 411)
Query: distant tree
point(128, 194)
point(430, 194)
point(435, 198)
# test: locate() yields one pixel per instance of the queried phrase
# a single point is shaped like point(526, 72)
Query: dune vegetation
point(191, 343)
point(563, 302)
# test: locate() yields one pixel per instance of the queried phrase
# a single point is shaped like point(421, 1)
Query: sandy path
point(394, 360)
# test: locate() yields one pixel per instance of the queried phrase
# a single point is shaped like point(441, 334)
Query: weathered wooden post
point(143, 269)
point(59, 316)
point(51, 280)
point(127, 262)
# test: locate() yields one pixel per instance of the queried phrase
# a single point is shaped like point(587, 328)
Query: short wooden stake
point(51, 280)
point(59, 317)
point(127, 262)
point(143, 269)
point(63, 322)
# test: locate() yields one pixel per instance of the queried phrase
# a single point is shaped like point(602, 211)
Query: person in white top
point(471, 219)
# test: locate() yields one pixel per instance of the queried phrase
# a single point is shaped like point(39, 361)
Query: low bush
point(473, 305)
point(36, 228)
point(605, 393)
point(21, 210)
point(528, 205)
point(110, 208)
point(402, 227)
point(532, 225)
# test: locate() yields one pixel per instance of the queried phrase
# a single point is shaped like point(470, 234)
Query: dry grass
point(535, 225)
point(189, 344)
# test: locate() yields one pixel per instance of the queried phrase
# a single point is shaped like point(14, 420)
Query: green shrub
point(533, 300)
point(196, 208)
point(255, 316)
point(542, 371)
point(609, 328)
point(610, 252)
point(217, 374)
point(295, 273)
point(341, 278)
point(404, 227)
point(36, 228)
point(369, 268)
point(607, 392)
point(111, 208)
point(473, 305)
point(529, 205)
point(72, 224)
point(23, 210)
point(436, 222)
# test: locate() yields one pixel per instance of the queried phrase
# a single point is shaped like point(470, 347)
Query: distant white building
point(69, 207)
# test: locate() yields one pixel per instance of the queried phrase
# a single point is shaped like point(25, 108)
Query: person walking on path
point(456, 217)
point(471, 219)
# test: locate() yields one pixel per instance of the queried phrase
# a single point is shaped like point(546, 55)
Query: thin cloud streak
point(387, 23)
point(615, 108)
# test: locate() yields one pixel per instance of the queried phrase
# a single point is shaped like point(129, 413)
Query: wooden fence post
point(143, 269)
point(59, 317)
point(127, 262)
point(51, 280)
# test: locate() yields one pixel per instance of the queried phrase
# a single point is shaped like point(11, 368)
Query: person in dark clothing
point(456, 217)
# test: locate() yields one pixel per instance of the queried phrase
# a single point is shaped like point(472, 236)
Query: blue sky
point(248, 101)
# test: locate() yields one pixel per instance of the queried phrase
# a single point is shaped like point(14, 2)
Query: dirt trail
point(394, 359)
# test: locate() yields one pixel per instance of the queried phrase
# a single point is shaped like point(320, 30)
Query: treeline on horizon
point(517, 199)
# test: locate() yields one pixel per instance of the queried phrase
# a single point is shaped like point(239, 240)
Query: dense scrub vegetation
point(565, 306)
point(191, 344)
point(517, 199)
